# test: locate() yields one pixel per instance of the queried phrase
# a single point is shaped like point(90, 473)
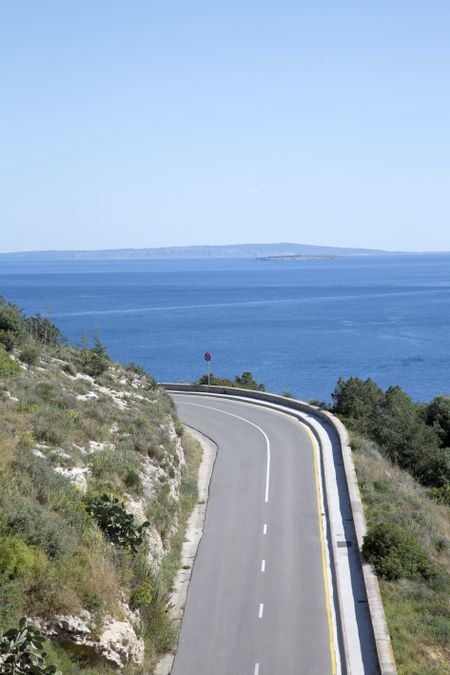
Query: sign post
point(208, 360)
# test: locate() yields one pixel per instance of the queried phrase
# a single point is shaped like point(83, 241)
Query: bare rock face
point(120, 645)
point(77, 476)
point(115, 642)
point(155, 549)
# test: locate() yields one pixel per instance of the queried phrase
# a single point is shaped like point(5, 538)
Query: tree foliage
point(408, 435)
point(441, 494)
point(437, 414)
point(246, 381)
point(43, 330)
point(11, 324)
point(94, 361)
point(16, 328)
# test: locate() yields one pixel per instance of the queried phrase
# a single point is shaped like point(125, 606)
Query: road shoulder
point(194, 532)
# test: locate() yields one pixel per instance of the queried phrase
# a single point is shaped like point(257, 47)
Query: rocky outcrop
point(78, 476)
point(114, 642)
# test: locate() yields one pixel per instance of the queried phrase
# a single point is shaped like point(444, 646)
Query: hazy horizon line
point(213, 246)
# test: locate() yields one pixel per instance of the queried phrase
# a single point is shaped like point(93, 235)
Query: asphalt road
point(257, 601)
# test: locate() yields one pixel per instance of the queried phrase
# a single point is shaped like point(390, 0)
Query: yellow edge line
point(326, 580)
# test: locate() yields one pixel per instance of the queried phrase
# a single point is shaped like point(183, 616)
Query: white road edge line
point(256, 668)
point(224, 412)
point(261, 611)
point(263, 566)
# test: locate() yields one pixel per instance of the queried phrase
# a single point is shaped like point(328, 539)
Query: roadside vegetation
point(245, 381)
point(89, 463)
point(402, 458)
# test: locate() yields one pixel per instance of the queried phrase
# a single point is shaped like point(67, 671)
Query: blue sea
point(297, 325)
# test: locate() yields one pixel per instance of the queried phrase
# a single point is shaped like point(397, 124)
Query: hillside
point(193, 252)
point(416, 604)
point(96, 482)
point(402, 459)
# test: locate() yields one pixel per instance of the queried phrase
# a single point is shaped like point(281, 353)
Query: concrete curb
point(382, 638)
point(385, 653)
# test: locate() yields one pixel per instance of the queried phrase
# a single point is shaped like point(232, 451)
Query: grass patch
point(115, 470)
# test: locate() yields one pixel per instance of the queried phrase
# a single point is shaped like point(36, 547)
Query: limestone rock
point(115, 641)
point(77, 476)
point(120, 645)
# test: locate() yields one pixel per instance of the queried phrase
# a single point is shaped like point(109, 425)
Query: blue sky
point(173, 123)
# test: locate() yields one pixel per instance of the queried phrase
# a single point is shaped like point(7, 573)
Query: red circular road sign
point(208, 356)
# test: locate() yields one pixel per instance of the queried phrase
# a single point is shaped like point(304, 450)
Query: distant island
point(288, 258)
point(265, 251)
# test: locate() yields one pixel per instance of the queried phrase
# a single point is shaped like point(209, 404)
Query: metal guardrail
point(382, 639)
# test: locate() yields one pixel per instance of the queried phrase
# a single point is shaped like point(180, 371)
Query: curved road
point(258, 600)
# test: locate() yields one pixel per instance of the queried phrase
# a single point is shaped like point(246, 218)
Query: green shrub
point(40, 527)
point(179, 428)
point(119, 526)
point(46, 485)
point(381, 485)
point(19, 560)
point(11, 324)
point(151, 384)
point(45, 391)
point(30, 354)
point(441, 494)
point(396, 554)
point(132, 480)
point(22, 651)
point(95, 361)
point(53, 425)
point(246, 381)
point(7, 339)
point(135, 368)
point(143, 594)
point(7, 365)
